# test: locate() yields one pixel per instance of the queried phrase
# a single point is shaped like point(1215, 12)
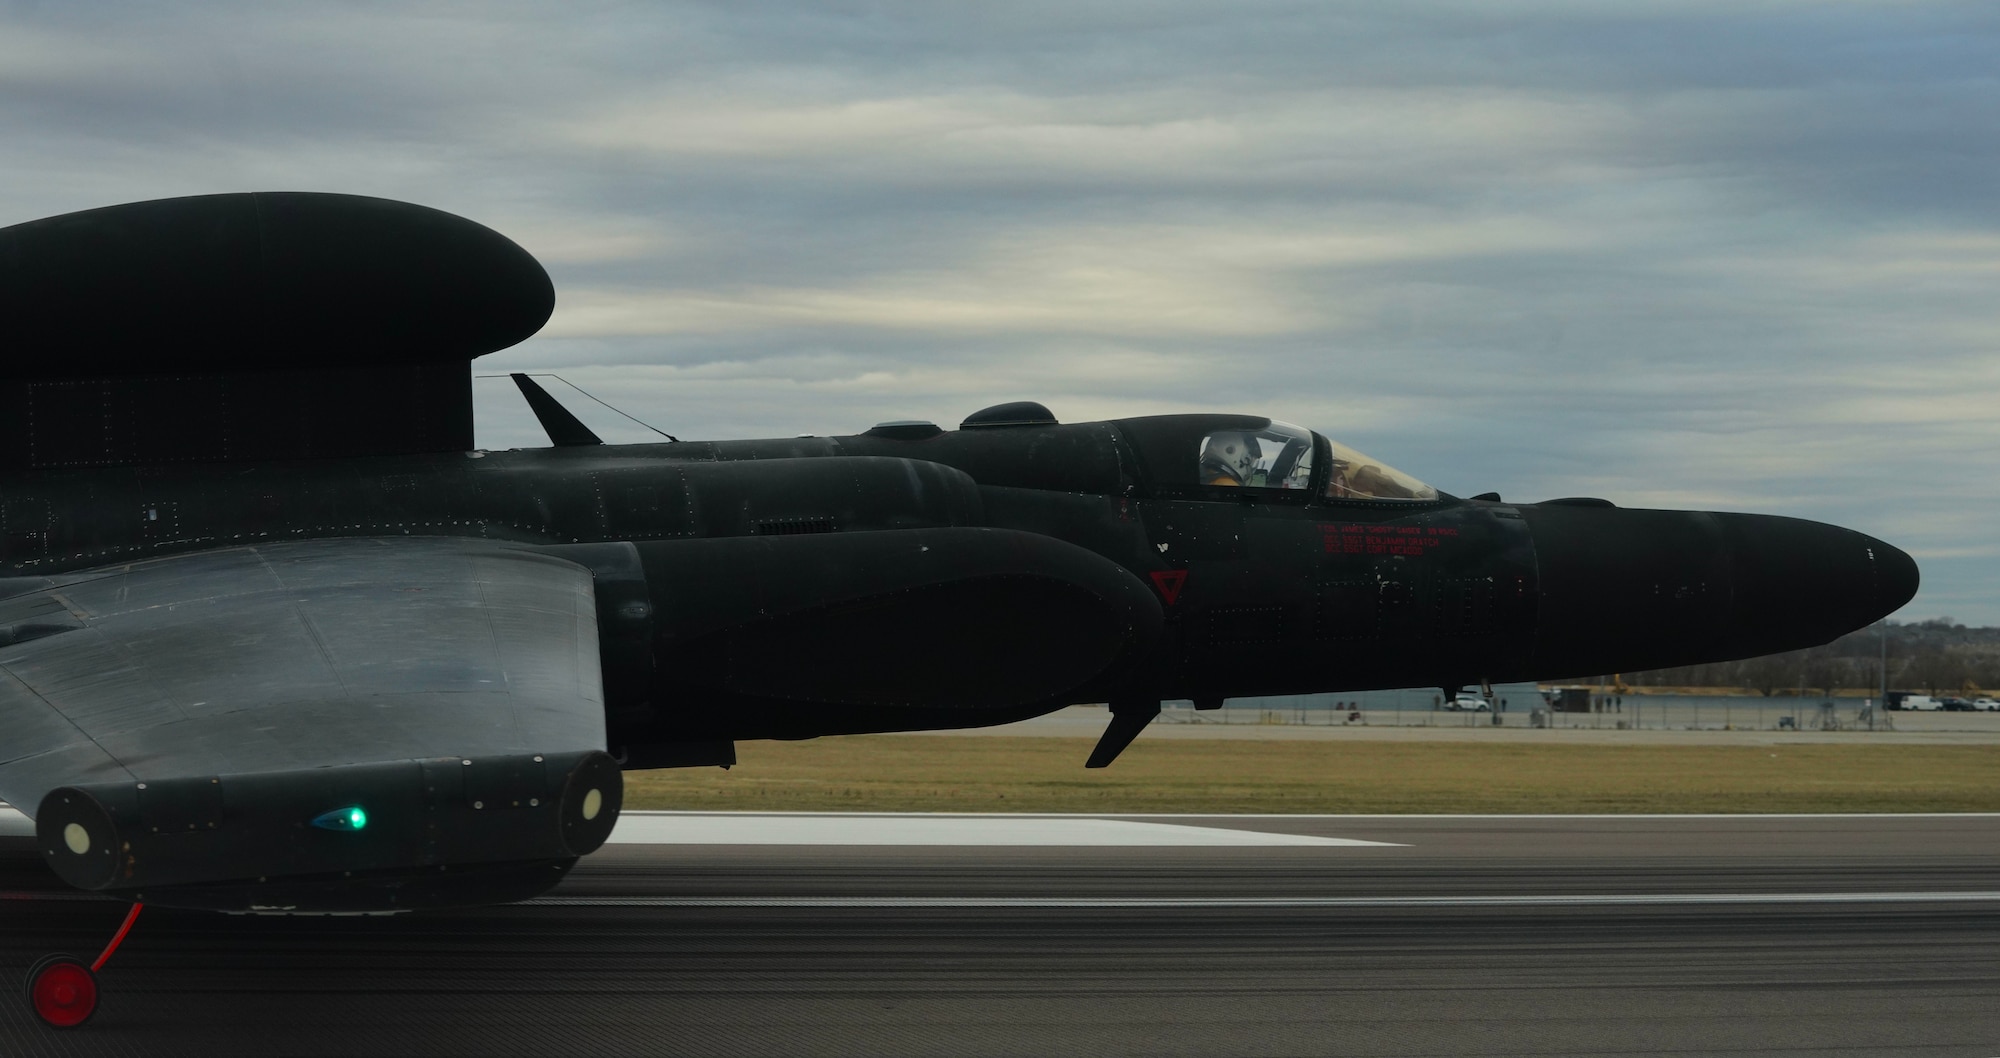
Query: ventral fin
point(1127, 720)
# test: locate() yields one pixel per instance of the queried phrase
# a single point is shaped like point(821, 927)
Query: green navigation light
point(352, 817)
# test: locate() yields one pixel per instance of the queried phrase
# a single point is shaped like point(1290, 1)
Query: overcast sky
point(1733, 255)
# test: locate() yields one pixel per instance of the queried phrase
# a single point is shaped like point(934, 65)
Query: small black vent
point(792, 527)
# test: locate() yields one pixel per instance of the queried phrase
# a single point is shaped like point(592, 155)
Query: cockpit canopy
point(1244, 452)
point(1356, 477)
point(1279, 456)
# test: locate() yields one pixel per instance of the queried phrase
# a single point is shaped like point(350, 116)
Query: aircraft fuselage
point(1258, 591)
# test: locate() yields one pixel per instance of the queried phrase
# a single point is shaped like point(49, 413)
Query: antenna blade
point(563, 428)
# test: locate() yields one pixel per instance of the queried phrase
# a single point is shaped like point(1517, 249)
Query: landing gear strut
point(63, 991)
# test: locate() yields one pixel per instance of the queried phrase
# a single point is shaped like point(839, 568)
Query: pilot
point(1229, 459)
point(1370, 481)
point(1365, 482)
point(1337, 486)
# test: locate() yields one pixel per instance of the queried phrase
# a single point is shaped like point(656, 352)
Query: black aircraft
point(274, 637)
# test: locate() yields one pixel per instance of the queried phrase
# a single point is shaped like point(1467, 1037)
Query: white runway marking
point(1199, 902)
point(829, 828)
point(833, 828)
point(1169, 902)
point(818, 828)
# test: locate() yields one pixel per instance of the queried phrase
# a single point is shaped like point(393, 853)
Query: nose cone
point(1626, 590)
point(1797, 583)
point(1896, 577)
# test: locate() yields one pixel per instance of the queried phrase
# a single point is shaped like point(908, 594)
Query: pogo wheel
point(62, 991)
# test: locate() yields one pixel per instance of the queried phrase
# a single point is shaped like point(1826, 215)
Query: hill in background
point(1938, 656)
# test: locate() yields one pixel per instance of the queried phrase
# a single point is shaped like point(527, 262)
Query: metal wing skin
point(183, 726)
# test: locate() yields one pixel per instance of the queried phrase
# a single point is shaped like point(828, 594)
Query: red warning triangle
point(1169, 582)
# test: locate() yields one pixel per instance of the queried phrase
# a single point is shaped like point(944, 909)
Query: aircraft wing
point(194, 715)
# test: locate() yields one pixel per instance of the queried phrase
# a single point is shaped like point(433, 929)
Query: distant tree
point(1770, 672)
point(1825, 673)
point(1939, 655)
point(1938, 671)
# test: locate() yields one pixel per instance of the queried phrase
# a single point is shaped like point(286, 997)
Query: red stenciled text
point(1383, 539)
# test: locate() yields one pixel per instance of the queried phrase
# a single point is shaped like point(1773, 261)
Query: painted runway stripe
point(1590, 816)
point(1191, 902)
point(1252, 902)
point(728, 828)
point(936, 830)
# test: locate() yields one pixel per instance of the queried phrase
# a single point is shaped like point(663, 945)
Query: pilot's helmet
point(1230, 455)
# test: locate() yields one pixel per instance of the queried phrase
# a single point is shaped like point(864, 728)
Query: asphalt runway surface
point(882, 936)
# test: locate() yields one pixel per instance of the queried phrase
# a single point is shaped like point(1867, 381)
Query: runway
point(1008, 935)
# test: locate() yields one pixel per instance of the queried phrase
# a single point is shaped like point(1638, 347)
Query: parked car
point(1954, 705)
point(1986, 705)
point(1469, 703)
point(1922, 703)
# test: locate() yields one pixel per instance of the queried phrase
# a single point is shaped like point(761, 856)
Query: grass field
point(1041, 774)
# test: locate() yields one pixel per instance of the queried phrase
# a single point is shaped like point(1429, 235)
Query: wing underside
point(221, 696)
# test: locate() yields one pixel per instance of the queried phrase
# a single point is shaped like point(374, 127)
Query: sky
point(1731, 256)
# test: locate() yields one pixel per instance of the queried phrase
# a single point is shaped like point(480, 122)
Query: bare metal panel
point(298, 655)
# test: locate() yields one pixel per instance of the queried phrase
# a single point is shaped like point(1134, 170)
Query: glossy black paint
point(1272, 593)
point(245, 553)
point(269, 326)
point(267, 281)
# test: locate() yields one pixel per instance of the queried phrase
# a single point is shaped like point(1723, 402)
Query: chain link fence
point(1529, 706)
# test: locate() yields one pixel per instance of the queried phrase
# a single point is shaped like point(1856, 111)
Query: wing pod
point(268, 726)
point(265, 836)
